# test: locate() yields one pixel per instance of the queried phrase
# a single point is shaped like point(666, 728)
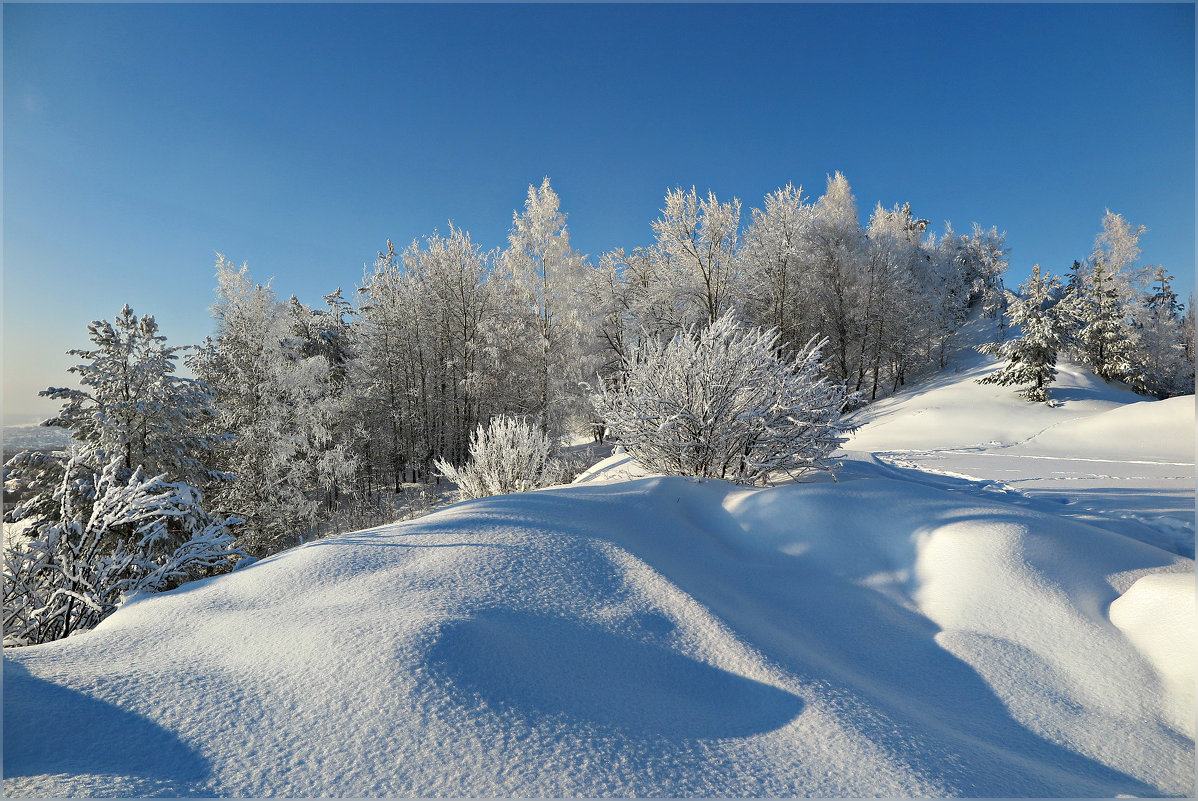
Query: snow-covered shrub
point(111, 534)
point(566, 466)
point(726, 402)
point(510, 455)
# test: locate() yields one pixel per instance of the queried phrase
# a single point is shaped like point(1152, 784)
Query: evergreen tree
point(1031, 358)
point(134, 406)
point(1107, 342)
point(1162, 351)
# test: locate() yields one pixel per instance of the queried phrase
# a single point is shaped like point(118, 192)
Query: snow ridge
point(898, 631)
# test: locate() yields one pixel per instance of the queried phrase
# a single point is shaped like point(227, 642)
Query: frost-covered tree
point(509, 455)
point(890, 315)
point(697, 250)
point(982, 258)
point(1117, 248)
point(1187, 348)
point(1104, 338)
point(776, 285)
point(834, 249)
point(319, 352)
point(432, 354)
point(276, 404)
point(1030, 359)
point(724, 401)
point(132, 403)
point(1168, 369)
point(110, 533)
point(387, 383)
point(544, 274)
point(1122, 318)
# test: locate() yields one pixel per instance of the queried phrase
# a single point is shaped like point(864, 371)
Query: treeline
point(304, 420)
point(1120, 318)
point(331, 410)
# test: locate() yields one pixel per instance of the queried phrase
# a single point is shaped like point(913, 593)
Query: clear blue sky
point(141, 139)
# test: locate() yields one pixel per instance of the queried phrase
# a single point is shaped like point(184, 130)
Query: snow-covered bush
point(567, 465)
point(726, 402)
point(111, 534)
point(510, 455)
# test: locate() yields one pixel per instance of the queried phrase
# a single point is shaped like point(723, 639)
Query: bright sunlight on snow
point(994, 598)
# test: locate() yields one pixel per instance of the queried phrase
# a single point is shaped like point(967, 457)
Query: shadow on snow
point(53, 730)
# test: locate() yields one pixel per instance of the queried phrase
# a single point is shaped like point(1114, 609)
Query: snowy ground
point(978, 607)
point(1101, 454)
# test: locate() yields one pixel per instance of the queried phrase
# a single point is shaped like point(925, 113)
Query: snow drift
point(897, 632)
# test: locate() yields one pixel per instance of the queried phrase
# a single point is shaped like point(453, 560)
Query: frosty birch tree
point(893, 259)
point(432, 352)
point(697, 244)
point(835, 250)
point(1031, 357)
point(771, 258)
point(725, 402)
point(546, 273)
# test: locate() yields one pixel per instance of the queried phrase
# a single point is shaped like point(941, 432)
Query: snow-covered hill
point(34, 436)
point(936, 622)
point(1100, 453)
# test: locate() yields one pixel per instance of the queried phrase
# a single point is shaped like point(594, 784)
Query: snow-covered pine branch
point(724, 402)
point(111, 534)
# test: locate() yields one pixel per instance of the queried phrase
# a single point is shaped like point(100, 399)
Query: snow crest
point(904, 630)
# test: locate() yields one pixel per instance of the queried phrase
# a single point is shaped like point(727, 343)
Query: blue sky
point(141, 139)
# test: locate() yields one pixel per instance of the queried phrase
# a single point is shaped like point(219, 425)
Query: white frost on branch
point(726, 402)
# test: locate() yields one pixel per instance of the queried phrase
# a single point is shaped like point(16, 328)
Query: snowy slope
point(898, 632)
point(1101, 453)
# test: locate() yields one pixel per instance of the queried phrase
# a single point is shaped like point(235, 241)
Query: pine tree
point(1106, 340)
point(1031, 358)
point(1162, 350)
point(133, 405)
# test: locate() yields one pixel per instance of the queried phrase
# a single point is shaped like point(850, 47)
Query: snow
point(1157, 615)
point(1101, 454)
point(934, 622)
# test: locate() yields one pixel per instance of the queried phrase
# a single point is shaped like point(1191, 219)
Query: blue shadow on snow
point(51, 730)
point(547, 667)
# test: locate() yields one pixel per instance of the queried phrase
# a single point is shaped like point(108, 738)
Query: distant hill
point(33, 436)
